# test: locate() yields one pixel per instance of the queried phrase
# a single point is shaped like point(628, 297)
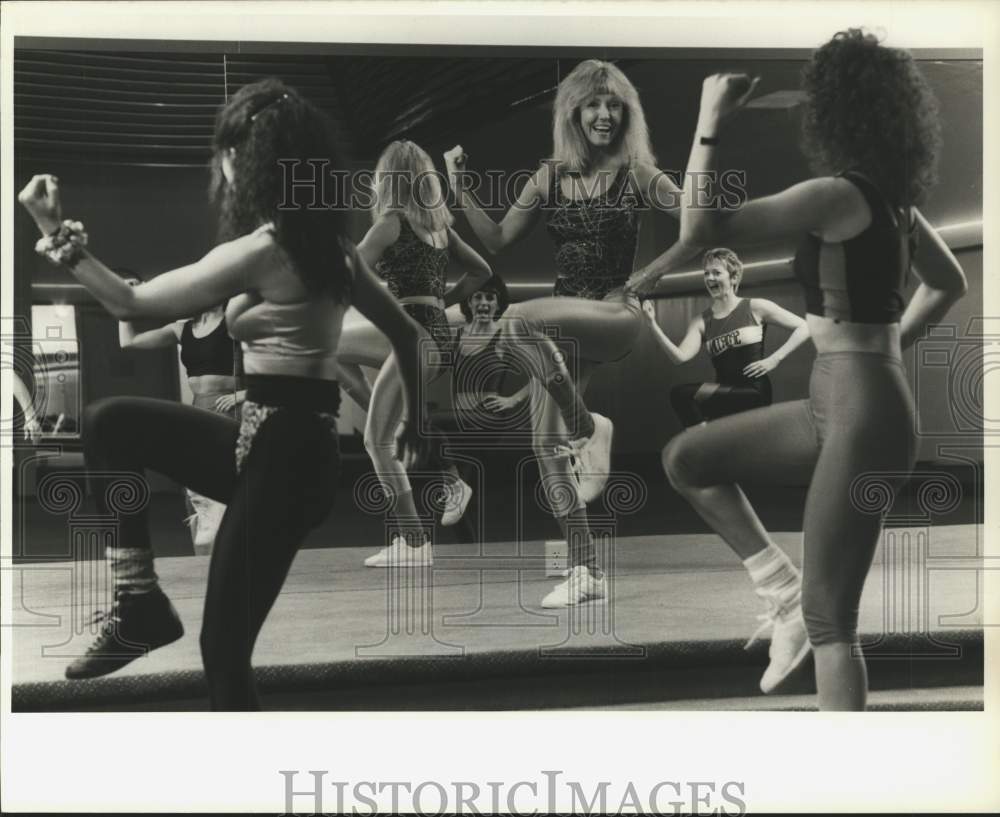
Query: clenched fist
point(40, 197)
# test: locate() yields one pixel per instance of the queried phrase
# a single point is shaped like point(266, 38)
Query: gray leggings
point(855, 435)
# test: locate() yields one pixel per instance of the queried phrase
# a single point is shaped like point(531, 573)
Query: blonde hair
point(405, 179)
point(570, 148)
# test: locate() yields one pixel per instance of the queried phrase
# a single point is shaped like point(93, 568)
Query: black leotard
point(413, 268)
point(595, 238)
point(733, 342)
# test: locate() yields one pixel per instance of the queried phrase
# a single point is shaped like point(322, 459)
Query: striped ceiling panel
point(158, 108)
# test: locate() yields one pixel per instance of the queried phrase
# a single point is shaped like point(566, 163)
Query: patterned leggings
point(283, 486)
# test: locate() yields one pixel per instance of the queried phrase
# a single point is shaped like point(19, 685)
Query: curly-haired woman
point(871, 132)
point(276, 469)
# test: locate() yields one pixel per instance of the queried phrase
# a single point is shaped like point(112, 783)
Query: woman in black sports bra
point(732, 332)
point(212, 362)
point(871, 131)
point(601, 176)
point(480, 366)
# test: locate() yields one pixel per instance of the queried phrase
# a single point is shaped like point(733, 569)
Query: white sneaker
point(456, 500)
point(593, 458)
point(400, 554)
point(789, 641)
point(579, 587)
point(204, 522)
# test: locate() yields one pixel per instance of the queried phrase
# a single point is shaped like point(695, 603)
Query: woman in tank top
point(480, 365)
point(213, 363)
point(872, 134)
point(410, 244)
point(732, 332)
point(277, 467)
point(601, 176)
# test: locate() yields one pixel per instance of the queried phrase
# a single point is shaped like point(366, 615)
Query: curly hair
point(730, 260)
point(405, 180)
point(271, 125)
point(495, 285)
point(869, 108)
point(570, 148)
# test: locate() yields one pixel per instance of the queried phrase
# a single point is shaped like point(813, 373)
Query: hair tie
point(276, 101)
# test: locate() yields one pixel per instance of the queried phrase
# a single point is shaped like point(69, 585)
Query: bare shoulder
point(761, 307)
point(389, 224)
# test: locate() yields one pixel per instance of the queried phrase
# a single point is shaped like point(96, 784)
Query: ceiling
point(158, 108)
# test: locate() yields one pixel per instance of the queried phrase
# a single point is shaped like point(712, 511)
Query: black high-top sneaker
point(135, 624)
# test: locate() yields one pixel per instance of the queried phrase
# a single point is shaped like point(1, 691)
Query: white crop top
point(297, 339)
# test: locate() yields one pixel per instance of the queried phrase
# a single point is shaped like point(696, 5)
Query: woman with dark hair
point(214, 368)
point(276, 468)
point(410, 245)
point(479, 360)
point(871, 131)
point(601, 175)
point(732, 331)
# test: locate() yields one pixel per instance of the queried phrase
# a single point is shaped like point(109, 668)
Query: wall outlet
point(555, 557)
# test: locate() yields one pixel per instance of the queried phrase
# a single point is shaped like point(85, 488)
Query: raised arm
point(132, 336)
point(769, 312)
point(226, 270)
point(476, 271)
point(661, 193)
point(689, 346)
point(805, 207)
point(942, 282)
point(518, 220)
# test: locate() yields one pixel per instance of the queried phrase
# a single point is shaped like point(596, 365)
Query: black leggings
point(285, 488)
point(694, 403)
point(855, 436)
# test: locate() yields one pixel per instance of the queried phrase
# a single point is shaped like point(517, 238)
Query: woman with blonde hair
point(601, 175)
point(410, 245)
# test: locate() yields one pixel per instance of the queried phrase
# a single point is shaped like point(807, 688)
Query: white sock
point(772, 570)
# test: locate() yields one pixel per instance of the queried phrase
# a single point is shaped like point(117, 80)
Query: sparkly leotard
point(413, 268)
point(595, 238)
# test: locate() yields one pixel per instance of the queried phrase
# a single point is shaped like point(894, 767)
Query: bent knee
point(676, 459)
point(829, 620)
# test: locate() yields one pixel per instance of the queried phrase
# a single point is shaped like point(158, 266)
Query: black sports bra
point(480, 372)
point(212, 354)
point(861, 279)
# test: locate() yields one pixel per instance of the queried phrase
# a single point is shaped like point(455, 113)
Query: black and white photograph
point(396, 395)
